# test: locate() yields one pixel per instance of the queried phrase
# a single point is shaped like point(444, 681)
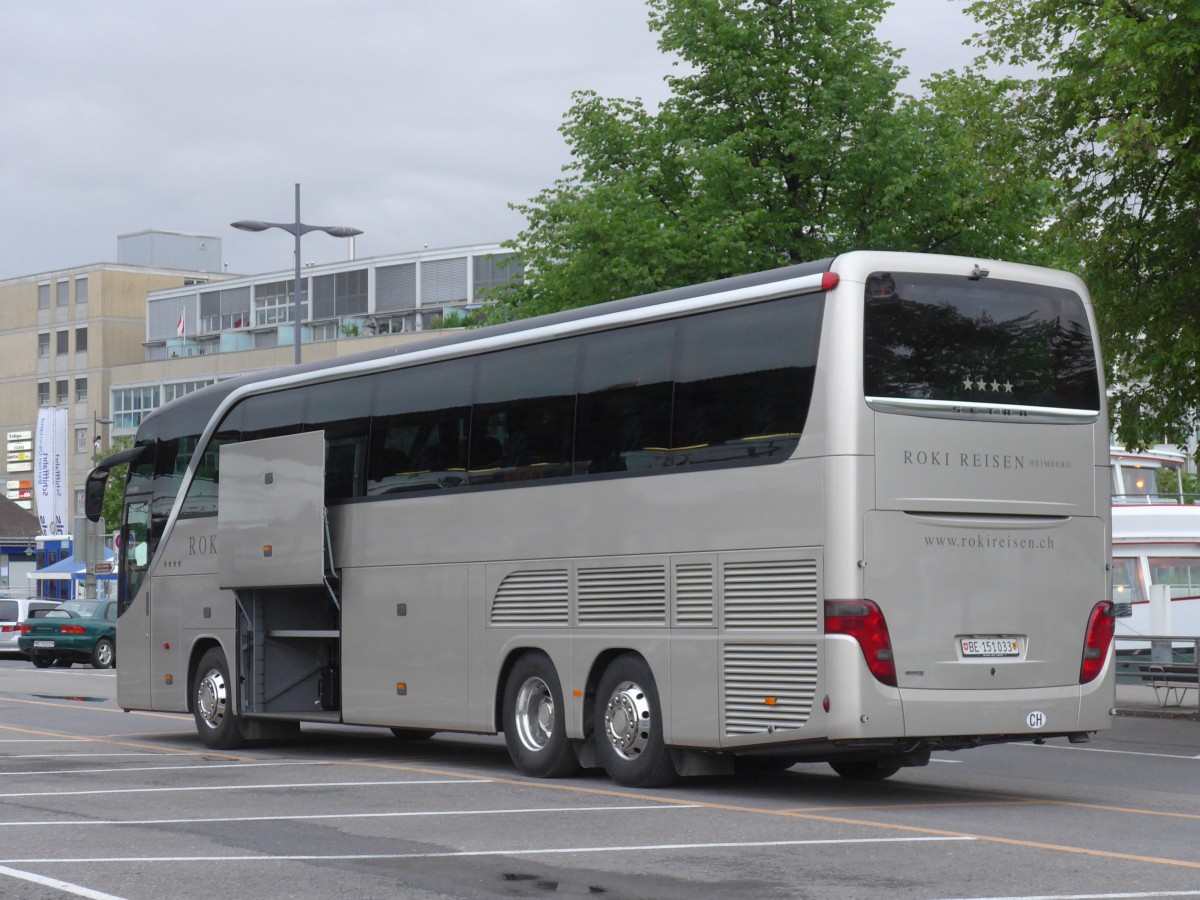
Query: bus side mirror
point(93, 493)
point(93, 488)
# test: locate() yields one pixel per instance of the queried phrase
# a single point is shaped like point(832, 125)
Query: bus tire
point(412, 734)
point(628, 726)
point(762, 765)
point(864, 770)
point(212, 703)
point(535, 728)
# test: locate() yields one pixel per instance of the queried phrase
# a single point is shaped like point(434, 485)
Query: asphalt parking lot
point(105, 804)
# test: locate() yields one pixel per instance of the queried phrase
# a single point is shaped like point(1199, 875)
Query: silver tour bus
point(850, 511)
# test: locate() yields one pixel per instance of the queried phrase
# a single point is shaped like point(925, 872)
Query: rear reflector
point(863, 621)
point(829, 281)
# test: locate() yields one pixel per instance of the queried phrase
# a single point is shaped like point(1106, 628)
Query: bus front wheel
point(212, 703)
point(628, 726)
point(864, 770)
point(534, 719)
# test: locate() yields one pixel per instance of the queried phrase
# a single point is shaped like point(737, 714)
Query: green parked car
point(75, 631)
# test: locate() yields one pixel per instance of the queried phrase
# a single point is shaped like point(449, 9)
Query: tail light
point(1099, 637)
point(73, 629)
point(26, 629)
point(863, 621)
point(7, 629)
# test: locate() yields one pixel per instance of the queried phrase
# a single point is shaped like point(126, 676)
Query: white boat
point(1156, 542)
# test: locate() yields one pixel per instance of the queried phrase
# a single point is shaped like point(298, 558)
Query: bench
point(1169, 679)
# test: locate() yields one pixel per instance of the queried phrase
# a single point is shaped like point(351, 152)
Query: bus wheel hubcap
point(627, 720)
point(535, 714)
point(211, 699)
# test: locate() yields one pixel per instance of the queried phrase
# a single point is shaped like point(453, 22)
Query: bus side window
point(420, 424)
point(201, 498)
point(342, 410)
point(524, 416)
point(623, 421)
point(135, 535)
point(744, 381)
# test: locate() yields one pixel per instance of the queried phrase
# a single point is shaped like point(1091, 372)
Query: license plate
point(40, 644)
point(989, 647)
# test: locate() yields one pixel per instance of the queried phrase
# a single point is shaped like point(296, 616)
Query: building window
point(62, 293)
point(444, 281)
point(495, 270)
point(273, 302)
point(43, 389)
point(325, 331)
point(44, 296)
point(43, 345)
point(81, 389)
point(223, 310)
point(131, 404)
point(183, 388)
point(81, 290)
point(62, 342)
point(342, 294)
point(62, 392)
point(81, 340)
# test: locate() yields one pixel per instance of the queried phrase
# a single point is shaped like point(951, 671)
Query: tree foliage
point(784, 139)
point(1118, 105)
point(114, 489)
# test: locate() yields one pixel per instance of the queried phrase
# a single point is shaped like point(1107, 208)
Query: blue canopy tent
point(62, 580)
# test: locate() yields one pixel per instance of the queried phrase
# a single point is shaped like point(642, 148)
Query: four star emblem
point(981, 384)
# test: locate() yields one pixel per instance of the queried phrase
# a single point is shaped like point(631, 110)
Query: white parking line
point(78, 755)
point(66, 886)
point(244, 787)
point(46, 740)
point(41, 823)
point(1130, 896)
point(511, 851)
point(109, 770)
point(1103, 750)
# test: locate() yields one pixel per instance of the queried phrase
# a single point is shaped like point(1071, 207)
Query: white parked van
point(14, 611)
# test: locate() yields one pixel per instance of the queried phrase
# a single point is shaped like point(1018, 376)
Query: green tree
point(783, 139)
point(1118, 107)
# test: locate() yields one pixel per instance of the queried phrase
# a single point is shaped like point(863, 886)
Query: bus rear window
point(987, 341)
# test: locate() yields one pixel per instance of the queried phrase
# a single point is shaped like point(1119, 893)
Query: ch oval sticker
point(1035, 719)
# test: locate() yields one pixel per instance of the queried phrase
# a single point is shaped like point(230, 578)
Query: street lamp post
point(296, 229)
point(97, 421)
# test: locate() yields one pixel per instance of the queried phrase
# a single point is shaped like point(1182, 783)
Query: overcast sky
point(417, 121)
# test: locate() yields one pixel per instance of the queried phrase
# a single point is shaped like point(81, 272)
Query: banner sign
point(50, 470)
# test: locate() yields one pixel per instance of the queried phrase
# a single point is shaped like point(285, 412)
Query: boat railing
point(1170, 665)
point(1156, 499)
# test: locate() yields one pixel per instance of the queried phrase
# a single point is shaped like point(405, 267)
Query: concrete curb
point(1168, 713)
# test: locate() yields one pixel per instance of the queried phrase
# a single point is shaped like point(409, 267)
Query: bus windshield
point(984, 341)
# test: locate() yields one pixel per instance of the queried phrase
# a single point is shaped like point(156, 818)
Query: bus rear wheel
point(628, 726)
point(212, 703)
point(864, 770)
point(535, 727)
point(413, 734)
